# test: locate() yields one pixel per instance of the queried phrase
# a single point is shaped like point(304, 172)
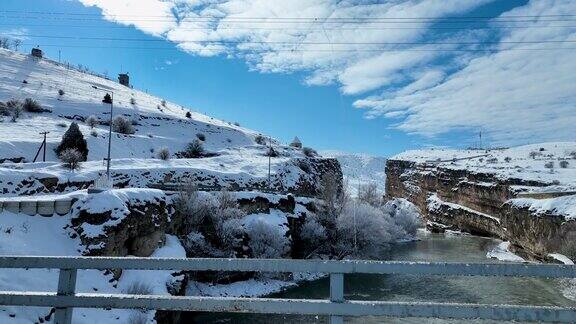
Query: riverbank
point(431, 247)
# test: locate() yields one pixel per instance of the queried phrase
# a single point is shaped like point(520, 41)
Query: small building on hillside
point(124, 79)
point(36, 52)
point(296, 143)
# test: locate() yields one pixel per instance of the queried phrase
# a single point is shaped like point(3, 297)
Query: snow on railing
point(336, 307)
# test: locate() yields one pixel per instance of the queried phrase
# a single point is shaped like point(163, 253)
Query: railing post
point(336, 294)
point(66, 287)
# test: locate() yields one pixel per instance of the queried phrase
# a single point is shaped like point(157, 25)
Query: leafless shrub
point(534, 154)
point(164, 154)
point(71, 158)
point(91, 121)
point(549, 165)
point(14, 109)
point(122, 125)
point(564, 164)
point(507, 159)
point(369, 194)
point(266, 241)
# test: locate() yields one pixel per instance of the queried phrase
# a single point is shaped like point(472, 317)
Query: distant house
point(296, 143)
point(36, 52)
point(124, 79)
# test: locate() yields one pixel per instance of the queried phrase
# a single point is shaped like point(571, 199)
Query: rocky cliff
point(452, 195)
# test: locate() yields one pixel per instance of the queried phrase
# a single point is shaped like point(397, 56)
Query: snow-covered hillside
point(158, 123)
point(360, 169)
point(235, 155)
point(551, 163)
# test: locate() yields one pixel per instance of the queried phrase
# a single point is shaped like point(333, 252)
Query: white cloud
point(515, 96)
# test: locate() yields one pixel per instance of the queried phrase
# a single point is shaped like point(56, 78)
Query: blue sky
point(409, 103)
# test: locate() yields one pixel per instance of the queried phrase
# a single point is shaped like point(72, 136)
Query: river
point(430, 247)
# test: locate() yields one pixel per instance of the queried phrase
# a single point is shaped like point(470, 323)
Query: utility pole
point(43, 145)
point(44, 155)
point(269, 162)
point(110, 140)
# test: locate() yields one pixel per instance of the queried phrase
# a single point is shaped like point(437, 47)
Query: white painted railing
point(336, 307)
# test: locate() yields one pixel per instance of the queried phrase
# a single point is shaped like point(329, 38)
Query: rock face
point(478, 203)
point(300, 177)
point(125, 225)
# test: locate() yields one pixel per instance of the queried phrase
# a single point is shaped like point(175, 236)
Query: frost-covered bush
point(492, 160)
point(369, 194)
point(564, 164)
point(549, 165)
point(132, 101)
point(231, 233)
point(73, 139)
point(313, 235)
point(271, 152)
point(534, 154)
point(363, 231)
point(122, 125)
point(194, 150)
point(61, 92)
point(405, 214)
point(196, 245)
point(71, 158)
point(507, 159)
point(366, 231)
point(332, 193)
point(193, 206)
point(164, 154)
point(13, 109)
point(266, 241)
point(91, 121)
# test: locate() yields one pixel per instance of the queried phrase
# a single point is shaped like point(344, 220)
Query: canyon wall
point(478, 203)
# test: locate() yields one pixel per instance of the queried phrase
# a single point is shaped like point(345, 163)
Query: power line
point(275, 20)
point(311, 50)
point(296, 18)
point(290, 43)
point(224, 27)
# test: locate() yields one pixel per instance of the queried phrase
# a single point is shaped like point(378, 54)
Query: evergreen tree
point(73, 139)
point(107, 99)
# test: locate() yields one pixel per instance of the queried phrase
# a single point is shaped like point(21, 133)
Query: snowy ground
point(528, 162)
point(157, 125)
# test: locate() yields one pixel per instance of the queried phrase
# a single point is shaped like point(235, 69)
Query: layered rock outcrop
point(478, 203)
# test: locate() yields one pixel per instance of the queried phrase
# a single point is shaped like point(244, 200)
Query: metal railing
point(65, 299)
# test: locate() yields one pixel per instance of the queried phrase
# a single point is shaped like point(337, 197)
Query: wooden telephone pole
point(43, 145)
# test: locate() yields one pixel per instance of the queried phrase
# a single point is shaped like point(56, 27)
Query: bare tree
point(71, 158)
point(16, 43)
point(369, 194)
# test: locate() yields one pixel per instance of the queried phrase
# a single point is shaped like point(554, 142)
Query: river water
point(430, 247)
